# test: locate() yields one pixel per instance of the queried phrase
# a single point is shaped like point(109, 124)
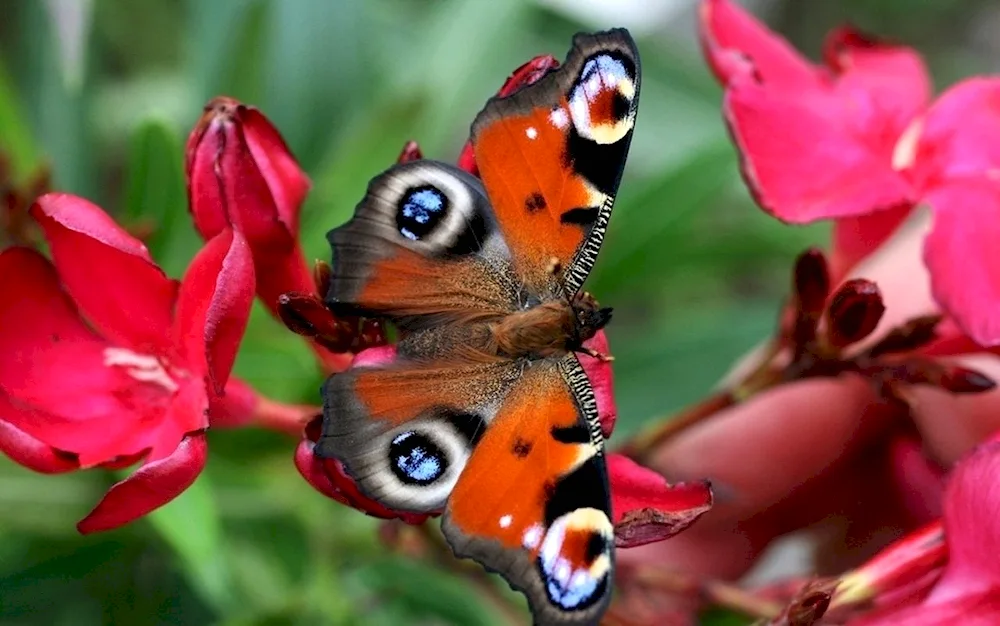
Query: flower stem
point(716, 592)
point(287, 418)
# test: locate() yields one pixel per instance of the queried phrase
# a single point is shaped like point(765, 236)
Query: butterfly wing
point(422, 242)
point(404, 430)
point(533, 503)
point(551, 157)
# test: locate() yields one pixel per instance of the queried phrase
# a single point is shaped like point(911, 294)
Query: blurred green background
point(106, 90)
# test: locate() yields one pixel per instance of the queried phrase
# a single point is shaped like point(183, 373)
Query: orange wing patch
point(551, 157)
point(533, 503)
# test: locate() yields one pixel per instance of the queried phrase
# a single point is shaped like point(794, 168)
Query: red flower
point(968, 591)
point(240, 174)
point(855, 140)
point(108, 361)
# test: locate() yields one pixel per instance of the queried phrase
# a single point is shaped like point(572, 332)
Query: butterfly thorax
point(549, 328)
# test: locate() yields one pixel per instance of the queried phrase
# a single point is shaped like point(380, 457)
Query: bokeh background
point(105, 92)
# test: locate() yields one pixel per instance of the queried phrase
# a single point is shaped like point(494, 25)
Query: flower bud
point(854, 312)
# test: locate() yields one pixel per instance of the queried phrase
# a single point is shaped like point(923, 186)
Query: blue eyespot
point(415, 459)
point(420, 211)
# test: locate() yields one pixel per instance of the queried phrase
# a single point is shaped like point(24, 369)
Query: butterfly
point(485, 412)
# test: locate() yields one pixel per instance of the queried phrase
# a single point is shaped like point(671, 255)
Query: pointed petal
point(972, 526)
point(893, 78)
point(286, 180)
point(150, 487)
point(960, 254)
point(214, 306)
point(602, 380)
point(982, 609)
point(960, 135)
point(29, 452)
point(647, 509)
point(109, 273)
point(732, 39)
point(804, 159)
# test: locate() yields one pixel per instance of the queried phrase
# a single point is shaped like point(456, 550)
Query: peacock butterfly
point(486, 412)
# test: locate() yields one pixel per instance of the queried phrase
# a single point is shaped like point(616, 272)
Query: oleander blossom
point(108, 362)
point(857, 140)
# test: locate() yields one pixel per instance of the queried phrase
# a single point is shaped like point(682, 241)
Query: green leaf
point(16, 140)
point(156, 197)
point(191, 526)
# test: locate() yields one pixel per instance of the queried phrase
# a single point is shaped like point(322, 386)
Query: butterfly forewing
point(551, 157)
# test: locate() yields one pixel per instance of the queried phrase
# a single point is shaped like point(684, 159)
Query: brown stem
point(762, 377)
point(715, 592)
point(642, 444)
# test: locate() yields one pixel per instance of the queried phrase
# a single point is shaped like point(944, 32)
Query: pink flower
point(107, 361)
point(968, 591)
point(241, 175)
point(857, 140)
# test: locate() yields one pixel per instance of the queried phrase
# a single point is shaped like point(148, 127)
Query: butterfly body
point(485, 412)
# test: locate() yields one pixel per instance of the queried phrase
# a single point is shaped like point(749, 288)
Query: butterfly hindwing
point(422, 242)
point(403, 430)
point(551, 157)
point(532, 502)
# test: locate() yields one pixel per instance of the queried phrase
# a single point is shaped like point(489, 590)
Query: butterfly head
point(590, 318)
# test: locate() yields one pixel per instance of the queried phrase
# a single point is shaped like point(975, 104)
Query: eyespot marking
point(420, 210)
point(415, 459)
point(602, 102)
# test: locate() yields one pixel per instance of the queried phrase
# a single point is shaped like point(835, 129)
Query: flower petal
point(225, 185)
point(286, 180)
point(647, 509)
point(52, 361)
point(329, 478)
point(981, 609)
point(854, 238)
point(234, 408)
point(960, 254)
point(731, 39)
point(960, 135)
point(25, 450)
point(972, 527)
point(803, 157)
point(602, 380)
point(149, 487)
point(894, 78)
point(214, 306)
point(108, 272)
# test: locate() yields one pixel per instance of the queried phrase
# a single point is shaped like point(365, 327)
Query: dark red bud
point(809, 605)
point(531, 72)
point(306, 315)
point(914, 334)
point(322, 274)
point(854, 312)
point(810, 288)
point(963, 380)
point(811, 281)
point(411, 152)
